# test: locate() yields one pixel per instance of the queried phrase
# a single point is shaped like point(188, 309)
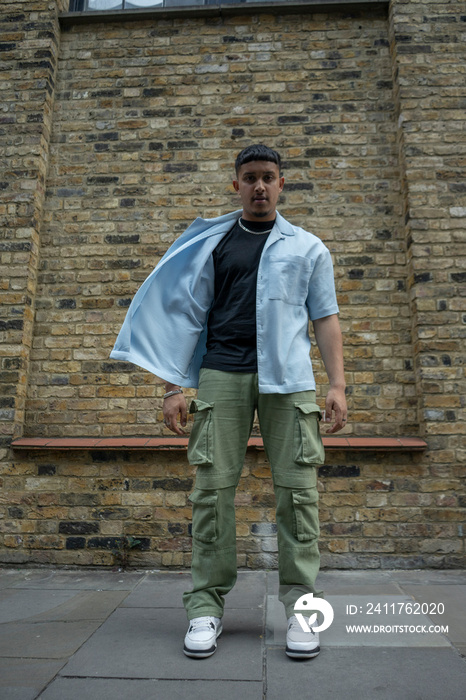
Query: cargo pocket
point(305, 514)
point(204, 527)
point(200, 441)
point(308, 447)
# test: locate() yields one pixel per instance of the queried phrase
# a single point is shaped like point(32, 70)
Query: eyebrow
point(253, 172)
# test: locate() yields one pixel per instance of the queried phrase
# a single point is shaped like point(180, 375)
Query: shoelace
point(201, 623)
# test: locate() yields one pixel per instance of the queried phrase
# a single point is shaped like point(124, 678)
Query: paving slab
point(54, 605)
point(369, 589)
point(352, 577)
point(85, 605)
point(10, 578)
point(121, 689)
point(366, 674)
point(406, 630)
point(23, 679)
point(451, 599)
point(148, 643)
point(18, 604)
point(44, 640)
point(385, 674)
point(249, 591)
point(338, 582)
point(165, 590)
point(275, 622)
point(159, 590)
point(78, 580)
point(427, 577)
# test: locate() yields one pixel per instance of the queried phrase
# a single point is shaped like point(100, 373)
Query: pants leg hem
point(204, 612)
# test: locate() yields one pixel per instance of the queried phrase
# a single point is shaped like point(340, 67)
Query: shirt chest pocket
point(288, 278)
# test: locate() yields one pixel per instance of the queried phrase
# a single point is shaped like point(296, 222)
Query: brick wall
point(29, 40)
point(148, 117)
point(428, 51)
point(147, 124)
point(429, 60)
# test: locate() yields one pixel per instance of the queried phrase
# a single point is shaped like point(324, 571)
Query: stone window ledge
point(348, 444)
point(221, 10)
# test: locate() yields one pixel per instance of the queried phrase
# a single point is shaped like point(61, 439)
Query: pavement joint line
point(157, 678)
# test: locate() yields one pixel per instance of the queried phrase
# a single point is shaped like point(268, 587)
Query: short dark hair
point(257, 152)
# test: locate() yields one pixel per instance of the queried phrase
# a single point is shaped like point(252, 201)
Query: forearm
point(329, 341)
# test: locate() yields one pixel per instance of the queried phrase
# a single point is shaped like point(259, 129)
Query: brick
point(103, 543)
point(372, 545)
point(174, 484)
point(77, 528)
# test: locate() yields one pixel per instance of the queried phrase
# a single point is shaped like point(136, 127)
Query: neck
point(258, 222)
point(259, 219)
point(259, 216)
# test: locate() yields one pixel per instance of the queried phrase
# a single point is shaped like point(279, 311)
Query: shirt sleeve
point(322, 299)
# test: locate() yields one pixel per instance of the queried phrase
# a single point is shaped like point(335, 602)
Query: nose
point(260, 186)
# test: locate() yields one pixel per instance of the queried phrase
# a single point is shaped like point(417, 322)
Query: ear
point(236, 185)
point(281, 183)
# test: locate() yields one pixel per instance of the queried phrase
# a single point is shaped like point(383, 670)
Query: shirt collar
point(284, 225)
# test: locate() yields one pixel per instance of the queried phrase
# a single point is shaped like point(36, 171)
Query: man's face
point(259, 185)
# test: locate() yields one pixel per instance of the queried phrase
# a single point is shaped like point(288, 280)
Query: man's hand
point(174, 407)
point(336, 403)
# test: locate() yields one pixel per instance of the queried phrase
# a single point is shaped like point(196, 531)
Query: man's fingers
point(173, 407)
point(340, 421)
point(328, 411)
point(335, 427)
point(171, 424)
point(339, 417)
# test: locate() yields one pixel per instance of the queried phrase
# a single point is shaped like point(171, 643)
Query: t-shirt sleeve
point(322, 299)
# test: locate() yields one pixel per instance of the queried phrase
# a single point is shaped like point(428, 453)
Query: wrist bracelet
point(172, 393)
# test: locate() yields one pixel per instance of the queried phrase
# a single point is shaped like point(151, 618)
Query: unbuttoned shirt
point(165, 328)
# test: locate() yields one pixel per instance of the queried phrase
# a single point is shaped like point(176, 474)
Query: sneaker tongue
point(203, 623)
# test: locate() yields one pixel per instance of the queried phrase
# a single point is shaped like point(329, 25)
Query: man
point(227, 310)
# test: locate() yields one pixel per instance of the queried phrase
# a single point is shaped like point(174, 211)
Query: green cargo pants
point(224, 414)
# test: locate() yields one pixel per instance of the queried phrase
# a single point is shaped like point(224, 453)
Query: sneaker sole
point(203, 653)
point(296, 654)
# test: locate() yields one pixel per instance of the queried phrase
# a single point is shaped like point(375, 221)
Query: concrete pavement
point(68, 634)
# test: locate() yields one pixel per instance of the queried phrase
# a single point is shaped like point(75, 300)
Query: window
point(111, 5)
point(117, 5)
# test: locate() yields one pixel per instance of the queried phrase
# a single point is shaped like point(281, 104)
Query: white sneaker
point(300, 644)
point(201, 637)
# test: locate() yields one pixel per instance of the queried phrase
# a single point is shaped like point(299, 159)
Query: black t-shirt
point(231, 325)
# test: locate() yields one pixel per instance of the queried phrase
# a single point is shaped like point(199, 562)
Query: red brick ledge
point(384, 444)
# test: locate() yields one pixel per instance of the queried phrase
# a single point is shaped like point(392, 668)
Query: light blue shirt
point(165, 329)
